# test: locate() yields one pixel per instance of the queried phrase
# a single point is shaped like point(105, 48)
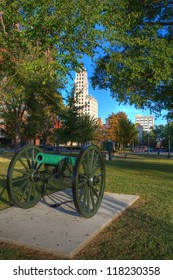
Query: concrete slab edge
point(77, 250)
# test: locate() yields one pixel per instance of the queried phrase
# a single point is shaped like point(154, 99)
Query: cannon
point(32, 169)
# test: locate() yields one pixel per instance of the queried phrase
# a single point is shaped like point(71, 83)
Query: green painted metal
point(23, 178)
point(52, 159)
point(30, 170)
point(88, 182)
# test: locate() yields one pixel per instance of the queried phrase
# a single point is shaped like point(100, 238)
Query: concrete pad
point(59, 229)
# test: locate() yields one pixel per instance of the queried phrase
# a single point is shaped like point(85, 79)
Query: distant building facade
point(147, 122)
point(88, 103)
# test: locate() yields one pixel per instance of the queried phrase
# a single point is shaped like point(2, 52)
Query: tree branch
point(3, 25)
point(159, 22)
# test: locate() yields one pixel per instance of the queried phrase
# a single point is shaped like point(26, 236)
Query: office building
point(147, 122)
point(87, 102)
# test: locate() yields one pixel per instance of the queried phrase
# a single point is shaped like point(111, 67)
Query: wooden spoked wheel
point(88, 181)
point(24, 181)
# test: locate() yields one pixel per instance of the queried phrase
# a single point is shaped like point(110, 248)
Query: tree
point(125, 132)
point(150, 139)
point(69, 122)
point(26, 94)
point(41, 42)
point(137, 64)
point(112, 123)
point(88, 129)
point(162, 134)
point(101, 133)
point(159, 133)
point(63, 29)
point(121, 129)
point(159, 136)
point(74, 126)
point(41, 124)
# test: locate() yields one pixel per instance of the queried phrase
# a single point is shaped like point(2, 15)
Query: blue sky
point(107, 105)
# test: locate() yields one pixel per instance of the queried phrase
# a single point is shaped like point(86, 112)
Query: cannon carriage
point(32, 169)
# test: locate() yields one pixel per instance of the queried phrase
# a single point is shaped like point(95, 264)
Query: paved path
point(60, 230)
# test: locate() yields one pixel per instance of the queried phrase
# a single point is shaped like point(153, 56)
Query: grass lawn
point(4, 162)
point(144, 231)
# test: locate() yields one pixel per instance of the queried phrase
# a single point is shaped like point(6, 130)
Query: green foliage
point(41, 42)
point(88, 129)
point(121, 129)
point(125, 132)
point(30, 96)
point(74, 126)
point(66, 29)
point(160, 135)
point(137, 65)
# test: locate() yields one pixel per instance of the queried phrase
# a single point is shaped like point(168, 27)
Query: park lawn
point(4, 162)
point(144, 231)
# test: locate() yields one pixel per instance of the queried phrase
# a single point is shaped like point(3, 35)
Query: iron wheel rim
point(88, 182)
point(24, 186)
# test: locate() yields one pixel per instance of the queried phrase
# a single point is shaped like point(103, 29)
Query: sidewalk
point(60, 230)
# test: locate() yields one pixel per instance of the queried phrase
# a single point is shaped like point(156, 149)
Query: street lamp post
point(148, 142)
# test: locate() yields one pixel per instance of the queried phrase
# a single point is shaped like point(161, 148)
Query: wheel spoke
point(88, 200)
point(35, 165)
point(84, 176)
point(69, 168)
point(88, 181)
point(95, 192)
point(20, 171)
point(24, 184)
point(38, 167)
point(33, 190)
point(90, 162)
point(29, 183)
point(87, 161)
point(24, 165)
point(20, 179)
point(82, 191)
point(92, 197)
point(28, 160)
point(82, 183)
point(84, 168)
point(29, 193)
point(84, 197)
point(21, 187)
point(95, 161)
point(33, 158)
point(97, 167)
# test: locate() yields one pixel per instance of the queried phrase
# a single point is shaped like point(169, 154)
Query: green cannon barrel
point(53, 159)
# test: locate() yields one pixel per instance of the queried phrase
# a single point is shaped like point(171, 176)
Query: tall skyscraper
point(88, 103)
point(145, 121)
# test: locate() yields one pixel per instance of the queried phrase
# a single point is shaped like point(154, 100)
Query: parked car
point(53, 148)
point(140, 149)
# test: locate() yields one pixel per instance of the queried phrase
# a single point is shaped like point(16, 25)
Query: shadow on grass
point(134, 235)
point(149, 236)
point(142, 164)
point(4, 199)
